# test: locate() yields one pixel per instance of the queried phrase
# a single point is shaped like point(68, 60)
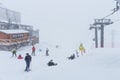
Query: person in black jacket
point(51, 63)
point(28, 59)
point(71, 57)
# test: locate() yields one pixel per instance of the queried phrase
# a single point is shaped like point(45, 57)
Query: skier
point(20, 57)
point(47, 50)
point(51, 63)
point(28, 59)
point(82, 49)
point(14, 51)
point(33, 51)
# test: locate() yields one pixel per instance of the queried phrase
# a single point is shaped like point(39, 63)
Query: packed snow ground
point(96, 64)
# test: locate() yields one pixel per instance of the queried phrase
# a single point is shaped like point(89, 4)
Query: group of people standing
point(28, 57)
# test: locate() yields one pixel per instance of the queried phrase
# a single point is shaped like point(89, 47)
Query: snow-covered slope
point(96, 64)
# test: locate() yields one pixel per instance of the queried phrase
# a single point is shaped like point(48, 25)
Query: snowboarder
point(82, 49)
point(28, 59)
point(33, 51)
point(47, 50)
point(14, 51)
point(51, 63)
point(20, 57)
point(71, 57)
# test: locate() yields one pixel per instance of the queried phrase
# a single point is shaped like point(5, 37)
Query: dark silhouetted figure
point(47, 50)
point(28, 59)
point(51, 63)
point(71, 57)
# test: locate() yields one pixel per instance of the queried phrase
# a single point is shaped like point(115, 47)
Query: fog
point(61, 21)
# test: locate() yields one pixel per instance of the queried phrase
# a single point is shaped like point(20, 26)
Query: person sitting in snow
point(51, 63)
point(71, 57)
point(20, 57)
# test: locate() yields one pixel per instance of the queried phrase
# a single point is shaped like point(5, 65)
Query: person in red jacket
point(33, 51)
point(20, 57)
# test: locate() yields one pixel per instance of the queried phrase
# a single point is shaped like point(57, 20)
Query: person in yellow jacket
point(81, 49)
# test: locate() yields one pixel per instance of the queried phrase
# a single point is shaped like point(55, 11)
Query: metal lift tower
point(102, 23)
point(96, 34)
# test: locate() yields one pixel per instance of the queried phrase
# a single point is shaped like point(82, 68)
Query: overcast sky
point(59, 21)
